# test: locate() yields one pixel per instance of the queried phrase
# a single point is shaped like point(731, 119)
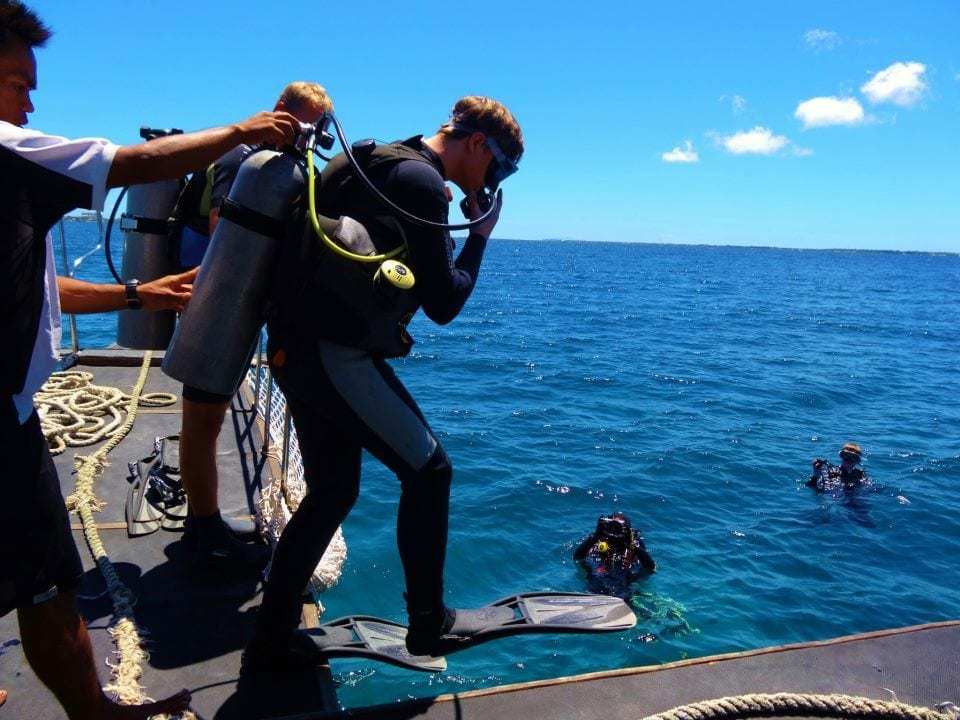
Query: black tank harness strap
point(145, 225)
point(252, 220)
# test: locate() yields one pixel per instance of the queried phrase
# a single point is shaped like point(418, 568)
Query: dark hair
point(20, 23)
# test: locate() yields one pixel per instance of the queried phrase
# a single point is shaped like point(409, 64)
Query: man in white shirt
point(41, 178)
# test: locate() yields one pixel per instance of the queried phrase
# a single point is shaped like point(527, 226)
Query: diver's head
point(614, 529)
point(851, 454)
point(480, 145)
point(20, 31)
point(306, 101)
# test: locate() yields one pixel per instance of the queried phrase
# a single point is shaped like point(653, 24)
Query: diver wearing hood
point(614, 555)
point(345, 398)
point(847, 474)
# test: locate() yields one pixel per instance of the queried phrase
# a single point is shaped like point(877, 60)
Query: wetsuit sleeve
point(581, 552)
point(444, 285)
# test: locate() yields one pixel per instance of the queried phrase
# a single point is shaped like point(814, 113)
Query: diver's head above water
point(480, 145)
point(614, 529)
point(850, 455)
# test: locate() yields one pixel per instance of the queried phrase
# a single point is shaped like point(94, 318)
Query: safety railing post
point(266, 415)
point(285, 455)
point(257, 381)
point(74, 339)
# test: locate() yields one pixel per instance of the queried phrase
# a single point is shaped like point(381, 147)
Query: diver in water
point(846, 475)
point(614, 555)
point(344, 397)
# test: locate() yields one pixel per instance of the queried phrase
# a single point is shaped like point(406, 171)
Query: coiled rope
point(799, 705)
point(79, 417)
point(74, 412)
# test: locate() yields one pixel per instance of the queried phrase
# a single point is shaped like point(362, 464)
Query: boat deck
point(198, 624)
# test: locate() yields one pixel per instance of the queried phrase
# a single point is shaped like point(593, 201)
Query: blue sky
point(606, 94)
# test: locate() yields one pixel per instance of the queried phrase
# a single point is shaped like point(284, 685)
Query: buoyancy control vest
point(317, 293)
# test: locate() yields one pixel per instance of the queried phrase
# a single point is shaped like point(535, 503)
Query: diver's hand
point(487, 226)
point(272, 128)
point(171, 292)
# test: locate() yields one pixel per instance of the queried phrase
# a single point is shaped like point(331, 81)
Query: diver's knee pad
point(437, 472)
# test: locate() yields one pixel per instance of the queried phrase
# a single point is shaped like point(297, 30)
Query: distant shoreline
point(90, 217)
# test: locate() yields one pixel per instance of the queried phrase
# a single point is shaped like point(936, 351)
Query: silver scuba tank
point(212, 341)
point(147, 256)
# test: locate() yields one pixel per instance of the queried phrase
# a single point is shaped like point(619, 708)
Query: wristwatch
point(133, 299)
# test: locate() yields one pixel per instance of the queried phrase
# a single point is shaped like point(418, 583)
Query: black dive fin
point(548, 612)
point(141, 515)
point(373, 638)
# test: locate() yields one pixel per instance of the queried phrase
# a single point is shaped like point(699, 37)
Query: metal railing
point(68, 271)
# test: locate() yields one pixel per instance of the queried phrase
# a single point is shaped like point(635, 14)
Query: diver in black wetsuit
point(614, 556)
point(846, 475)
point(345, 398)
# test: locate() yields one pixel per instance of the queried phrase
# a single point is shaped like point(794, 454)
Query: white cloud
point(820, 39)
point(901, 84)
point(758, 141)
point(686, 154)
point(823, 111)
point(738, 103)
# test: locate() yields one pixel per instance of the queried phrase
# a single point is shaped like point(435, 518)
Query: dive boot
point(294, 652)
point(436, 635)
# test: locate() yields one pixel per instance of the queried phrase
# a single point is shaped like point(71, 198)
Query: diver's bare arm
point(173, 156)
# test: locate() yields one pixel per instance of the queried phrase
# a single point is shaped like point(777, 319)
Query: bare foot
point(171, 706)
point(3, 696)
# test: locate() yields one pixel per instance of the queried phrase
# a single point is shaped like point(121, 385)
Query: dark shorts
point(38, 556)
point(195, 394)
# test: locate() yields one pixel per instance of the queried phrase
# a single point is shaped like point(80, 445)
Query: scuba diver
point(846, 475)
point(614, 556)
point(328, 347)
point(210, 539)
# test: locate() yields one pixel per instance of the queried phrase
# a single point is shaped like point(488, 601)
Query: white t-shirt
point(88, 161)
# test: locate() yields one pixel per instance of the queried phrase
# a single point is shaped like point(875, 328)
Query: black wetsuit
point(613, 572)
point(344, 400)
point(836, 475)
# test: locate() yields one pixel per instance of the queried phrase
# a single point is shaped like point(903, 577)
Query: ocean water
point(688, 387)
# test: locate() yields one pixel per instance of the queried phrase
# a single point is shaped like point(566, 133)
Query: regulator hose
point(345, 144)
point(106, 237)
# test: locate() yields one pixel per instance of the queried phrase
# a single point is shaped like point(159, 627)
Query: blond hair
point(299, 94)
point(489, 116)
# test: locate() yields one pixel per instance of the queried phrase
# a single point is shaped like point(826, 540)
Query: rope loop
point(799, 705)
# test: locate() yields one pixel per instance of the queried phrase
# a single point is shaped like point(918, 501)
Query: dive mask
point(501, 167)
point(612, 527)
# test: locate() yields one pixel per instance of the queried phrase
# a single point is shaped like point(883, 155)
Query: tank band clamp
point(252, 220)
point(145, 225)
